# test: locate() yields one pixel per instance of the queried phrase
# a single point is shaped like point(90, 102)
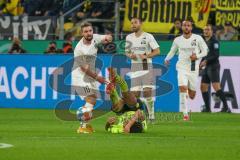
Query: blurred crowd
point(92, 10)
point(56, 8)
point(31, 7)
point(67, 47)
point(227, 32)
point(89, 9)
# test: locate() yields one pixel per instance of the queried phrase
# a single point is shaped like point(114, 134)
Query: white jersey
point(186, 47)
point(86, 55)
point(140, 45)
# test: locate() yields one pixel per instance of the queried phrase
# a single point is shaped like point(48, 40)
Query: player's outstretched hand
point(143, 56)
point(127, 129)
point(193, 57)
point(108, 39)
point(203, 64)
point(132, 56)
point(101, 79)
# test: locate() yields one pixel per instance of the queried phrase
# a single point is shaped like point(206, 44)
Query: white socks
point(183, 103)
point(150, 107)
point(84, 114)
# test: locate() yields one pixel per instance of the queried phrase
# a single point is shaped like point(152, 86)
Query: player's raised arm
point(203, 47)
point(171, 53)
point(137, 116)
point(106, 39)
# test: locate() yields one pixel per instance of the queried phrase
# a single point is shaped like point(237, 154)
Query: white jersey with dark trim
point(86, 55)
point(145, 43)
point(185, 48)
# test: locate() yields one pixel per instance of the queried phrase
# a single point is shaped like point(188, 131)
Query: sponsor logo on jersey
point(194, 42)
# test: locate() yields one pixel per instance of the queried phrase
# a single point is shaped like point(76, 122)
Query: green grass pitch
point(38, 135)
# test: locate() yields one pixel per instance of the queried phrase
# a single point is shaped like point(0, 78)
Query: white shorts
point(83, 86)
point(189, 79)
point(143, 81)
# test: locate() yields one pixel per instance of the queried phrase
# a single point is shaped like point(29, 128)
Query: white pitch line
point(5, 145)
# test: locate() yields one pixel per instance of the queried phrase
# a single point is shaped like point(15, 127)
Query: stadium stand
point(67, 15)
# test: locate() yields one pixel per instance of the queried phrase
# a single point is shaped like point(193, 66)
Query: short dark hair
point(53, 42)
point(138, 18)
point(107, 126)
point(86, 24)
point(228, 23)
point(137, 127)
point(189, 19)
point(177, 19)
point(210, 25)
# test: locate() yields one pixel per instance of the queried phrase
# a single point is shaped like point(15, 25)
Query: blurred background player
point(191, 49)
point(141, 47)
point(211, 71)
point(176, 30)
point(128, 108)
point(84, 76)
point(16, 47)
point(227, 33)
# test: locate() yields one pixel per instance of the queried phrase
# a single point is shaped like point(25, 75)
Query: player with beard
point(191, 48)
point(141, 47)
point(84, 76)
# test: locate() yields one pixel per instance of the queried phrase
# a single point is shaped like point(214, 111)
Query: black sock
point(221, 95)
point(206, 100)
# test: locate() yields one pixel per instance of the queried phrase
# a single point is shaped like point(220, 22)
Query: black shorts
point(127, 108)
point(211, 74)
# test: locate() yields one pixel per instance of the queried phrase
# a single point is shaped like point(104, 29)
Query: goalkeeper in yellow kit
point(129, 110)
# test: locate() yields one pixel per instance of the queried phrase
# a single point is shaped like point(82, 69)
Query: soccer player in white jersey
point(141, 47)
point(84, 76)
point(191, 48)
